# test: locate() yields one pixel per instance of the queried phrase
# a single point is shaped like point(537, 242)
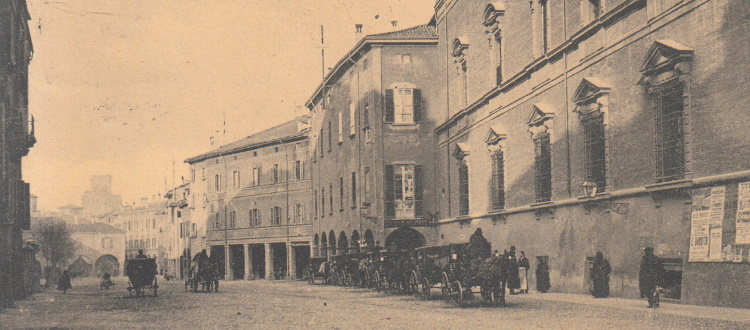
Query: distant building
point(99, 200)
point(144, 225)
point(253, 197)
point(181, 235)
point(16, 138)
point(100, 248)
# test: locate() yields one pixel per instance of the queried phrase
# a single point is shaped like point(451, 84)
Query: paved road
point(262, 304)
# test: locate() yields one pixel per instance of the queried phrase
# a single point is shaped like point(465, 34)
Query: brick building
point(16, 137)
point(573, 127)
point(372, 138)
point(253, 195)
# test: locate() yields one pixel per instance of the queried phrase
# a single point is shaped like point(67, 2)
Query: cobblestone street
point(261, 304)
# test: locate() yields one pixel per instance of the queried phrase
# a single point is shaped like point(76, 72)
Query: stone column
point(228, 273)
point(269, 261)
point(248, 262)
point(291, 264)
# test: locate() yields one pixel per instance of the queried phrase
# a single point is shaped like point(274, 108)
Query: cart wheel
point(413, 283)
point(459, 292)
point(445, 288)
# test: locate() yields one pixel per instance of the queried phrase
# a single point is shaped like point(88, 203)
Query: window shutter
point(389, 112)
point(418, 191)
point(24, 211)
point(390, 206)
point(417, 94)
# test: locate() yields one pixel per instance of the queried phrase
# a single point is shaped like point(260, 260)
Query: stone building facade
point(578, 126)
point(372, 142)
point(16, 137)
point(253, 195)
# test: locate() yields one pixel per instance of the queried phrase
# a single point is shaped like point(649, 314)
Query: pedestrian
point(141, 255)
point(542, 275)
point(63, 284)
point(600, 276)
point(478, 246)
point(650, 277)
point(514, 282)
point(523, 271)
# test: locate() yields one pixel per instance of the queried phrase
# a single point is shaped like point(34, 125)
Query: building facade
point(254, 197)
point(373, 144)
point(182, 233)
point(100, 248)
point(146, 225)
point(99, 200)
point(578, 126)
point(16, 137)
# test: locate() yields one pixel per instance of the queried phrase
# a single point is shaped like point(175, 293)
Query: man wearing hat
point(651, 276)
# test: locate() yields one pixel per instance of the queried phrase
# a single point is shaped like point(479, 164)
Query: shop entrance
point(238, 261)
point(301, 259)
point(278, 257)
point(258, 252)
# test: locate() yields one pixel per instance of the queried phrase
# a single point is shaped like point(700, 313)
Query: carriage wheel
point(459, 292)
point(413, 283)
point(446, 289)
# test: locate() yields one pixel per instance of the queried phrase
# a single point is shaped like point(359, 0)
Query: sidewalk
point(708, 312)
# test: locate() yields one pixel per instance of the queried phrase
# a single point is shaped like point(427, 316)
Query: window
point(315, 204)
point(236, 179)
point(323, 202)
point(330, 197)
point(498, 180)
point(254, 218)
point(594, 149)
point(543, 168)
point(217, 220)
point(497, 51)
point(352, 119)
point(341, 194)
point(544, 14)
point(320, 140)
point(106, 243)
point(590, 11)
point(366, 113)
point(275, 173)
point(402, 59)
point(463, 188)
point(463, 79)
point(670, 135)
point(364, 65)
point(299, 213)
point(203, 173)
point(217, 182)
point(403, 105)
point(192, 175)
point(298, 170)
point(354, 189)
point(232, 219)
point(330, 136)
point(256, 176)
point(403, 191)
point(341, 126)
point(275, 216)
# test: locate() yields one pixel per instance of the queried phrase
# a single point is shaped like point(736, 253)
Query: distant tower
point(101, 183)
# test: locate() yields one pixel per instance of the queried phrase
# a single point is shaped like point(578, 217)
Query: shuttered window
point(670, 135)
point(498, 180)
point(594, 147)
point(463, 188)
point(404, 191)
point(403, 105)
point(543, 168)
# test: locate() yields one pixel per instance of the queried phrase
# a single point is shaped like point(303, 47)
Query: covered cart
point(141, 276)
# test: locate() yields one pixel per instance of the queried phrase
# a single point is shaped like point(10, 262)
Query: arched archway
point(354, 244)
point(316, 245)
point(323, 245)
point(369, 240)
point(405, 238)
point(107, 264)
point(332, 243)
point(343, 245)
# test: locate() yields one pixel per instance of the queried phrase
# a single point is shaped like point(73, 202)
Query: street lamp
point(589, 188)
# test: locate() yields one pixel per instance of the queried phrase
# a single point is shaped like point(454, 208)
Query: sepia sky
point(124, 87)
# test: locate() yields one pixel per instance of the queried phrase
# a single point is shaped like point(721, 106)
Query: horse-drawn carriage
point(141, 274)
point(202, 274)
point(431, 265)
point(317, 270)
point(393, 271)
point(464, 272)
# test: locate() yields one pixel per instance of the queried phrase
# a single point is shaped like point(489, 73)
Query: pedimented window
point(665, 60)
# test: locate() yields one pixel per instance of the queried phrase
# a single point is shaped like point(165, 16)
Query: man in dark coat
point(63, 284)
point(478, 246)
point(542, 275)
point(514, 282)
point(651, 275)
point(600, 276)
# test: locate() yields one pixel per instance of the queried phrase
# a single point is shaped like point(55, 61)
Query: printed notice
point(743, 214)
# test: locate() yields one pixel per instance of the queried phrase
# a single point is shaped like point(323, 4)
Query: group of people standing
point(650, 277)
point(518, 272)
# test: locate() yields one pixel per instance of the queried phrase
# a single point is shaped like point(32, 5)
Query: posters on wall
point(720, 224)
point(742, 220)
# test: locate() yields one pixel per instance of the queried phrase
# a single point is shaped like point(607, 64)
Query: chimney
point(358, 28)
point(394, 23)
